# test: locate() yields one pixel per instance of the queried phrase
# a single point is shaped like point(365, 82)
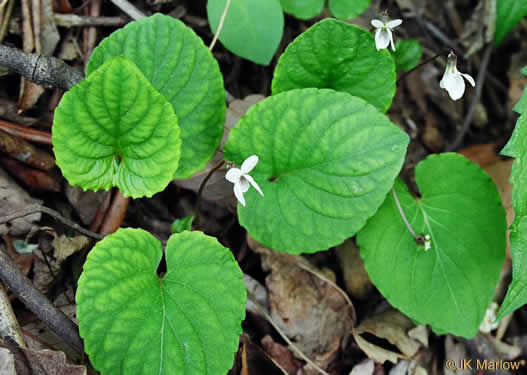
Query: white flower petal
point(377, 23)
point(239, 195)
point(447, 79)
point(393, 23)
point(382, 39)
point(249, 164)
point(455, 87)
point(233, 175)
point(469, 78)
point(254, 184)
point(391, 38)
point(244, 183)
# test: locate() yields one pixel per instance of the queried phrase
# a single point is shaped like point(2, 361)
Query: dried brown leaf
point(392, 326)
point(366, 367)
point(308, 309)
point(48, 362)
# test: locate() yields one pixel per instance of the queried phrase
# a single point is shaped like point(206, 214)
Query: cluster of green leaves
point(516, 148)
point(253, 29)
point(329, 157)
point(151, 108)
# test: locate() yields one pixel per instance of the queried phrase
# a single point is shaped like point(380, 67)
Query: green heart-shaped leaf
point(304, 10)
point(252, 28)
point(115, 129)
point(346, 9)
point(451, 285)
point(327, 160)
point(187, 322)
point(336, 55)
point(177, 63)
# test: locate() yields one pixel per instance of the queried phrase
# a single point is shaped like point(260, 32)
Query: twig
point(443, 38)
point(43, 70)
point(48, 211)
point(201, 188)
point(28, 134)
point(220, 26)
point(35, 301)
point(129, 9)
point(283, 335)
point(73, 20)
point(480, 81)
point(116, 213)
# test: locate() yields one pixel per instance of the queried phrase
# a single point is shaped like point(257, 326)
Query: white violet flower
point(383, 32)
point(241, 179)
point(489, 322)
point(452, 80)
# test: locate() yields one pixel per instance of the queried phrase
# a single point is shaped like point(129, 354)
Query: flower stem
point(202, 187)
point(220, 26)
point(418, 238)
point(403, 76)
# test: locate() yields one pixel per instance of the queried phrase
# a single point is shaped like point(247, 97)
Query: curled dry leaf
point(392, 326)
point(419, 333)
point(309, 310)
